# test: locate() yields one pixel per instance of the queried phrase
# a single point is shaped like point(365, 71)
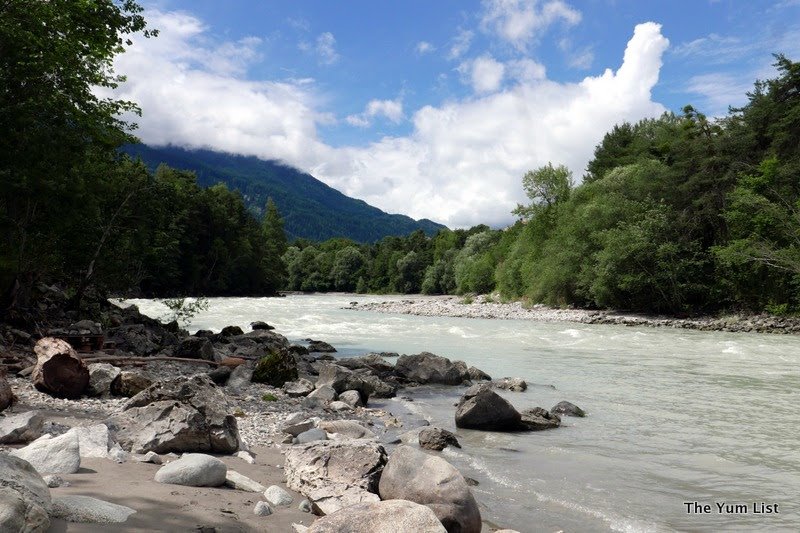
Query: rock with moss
point(275, 369)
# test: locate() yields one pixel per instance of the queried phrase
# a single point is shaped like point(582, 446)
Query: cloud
point(462, 161)
point(580, 58)
point(424, 47)
point(720, 90)
point(520, 22)
point(324, 47)
point(461, 44)
point(390, 109)
point(484, 73)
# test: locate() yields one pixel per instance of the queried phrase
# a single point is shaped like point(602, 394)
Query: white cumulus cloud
point(390, 109)
point(521, 21)
point(324, 47)
point(484, 73)
point(463, 160)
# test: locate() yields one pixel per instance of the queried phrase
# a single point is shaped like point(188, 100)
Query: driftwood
point(6, 395)
point(59, 371)
point(133, 359)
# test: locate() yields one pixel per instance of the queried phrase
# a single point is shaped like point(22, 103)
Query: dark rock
point(537, 419)
point(437, 439)
point(230, 331)
point(129, 384)
point(275, 369)
point(259, 324)
point(298, 349)
point(373, 363)
point(482, 408)
point(195, 348)
point(140, 339)
point(85, 327)
point(476, 374)
point(566, 408)
point(425, 367)
point(220, 375)
point(319, 346)
point(205, 333)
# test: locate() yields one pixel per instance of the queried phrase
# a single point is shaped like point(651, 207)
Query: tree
point(275, 246)
point(545, 187)
point(59, 136)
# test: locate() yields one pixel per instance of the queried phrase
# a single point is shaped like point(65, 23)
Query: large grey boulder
point(87, 509)
point(343, 379)
point(482, 408)
point(22, 427)
point(334, 474)
point(351, 398)
point(566, 408)
point(411, 474)
point(239, 380)
point(437, 439)
point(193, 470)
point(101, 376)
point(511, 384)
point(323, 393)
point(537, 419)
point(195, 348)
point(52, 455)
point(476, 374)
point(346, 429)
point(179, 415)
point(311, 435)
point(278, 497)
point(24, 497)
point(425, 367)
point(380, 517)
point(296, 389)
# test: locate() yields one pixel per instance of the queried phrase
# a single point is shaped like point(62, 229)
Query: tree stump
point(59, 371)
point(6, 395)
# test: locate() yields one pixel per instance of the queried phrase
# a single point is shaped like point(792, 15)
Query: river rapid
point(674, 416)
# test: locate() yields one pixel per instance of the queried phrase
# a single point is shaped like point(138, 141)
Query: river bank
point(489, 307)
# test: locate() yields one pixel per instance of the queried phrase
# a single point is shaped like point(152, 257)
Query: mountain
point(310, 209)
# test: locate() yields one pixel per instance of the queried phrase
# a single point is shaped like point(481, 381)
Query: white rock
point(262, 509)
point(52, 455)
point(277, 496)
point(340, 406)
point(299, 528)
point(54, 481)
point(195, 470)
point(247, 457)
point(238, 481)
point(117, 454)
point(93, 440)
point(100, 377)
point(88, 509)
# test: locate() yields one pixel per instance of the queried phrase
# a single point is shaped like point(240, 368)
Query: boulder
point(301, 387)
point(482, 408)
point(24, 497)
point(101, 376)
point(320, 346)
point(340, 406)
point(566, 408)
point(195, 348)
point(193, 470)
point(237, 481)
point(425, 367)
point(52, 455)
point(278, 497)
point(346, 429)
point(220, 375)
point(230, 331)
point(334, 474)
point(240, 379)
point(92, 440)
point(537, 419)
point(311, 435)
point(342, 379)
point(437, 439)
point(75, 508)
point(324, 393)
point(411, 474)
point(262, 509)
point(372, 363)
point(179, 415)
point(351, 398)
point(476, 374)
point(260, 325)
point(294, 424)
point(141, 339)
point(511, 384)
point(275, 369)
point(59, 371)
point(379, 388)
point(129, 384)
point(23, 427)
point(85, 327)
point(380, 517)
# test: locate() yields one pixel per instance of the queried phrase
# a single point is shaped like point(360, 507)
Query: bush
point(275, 369)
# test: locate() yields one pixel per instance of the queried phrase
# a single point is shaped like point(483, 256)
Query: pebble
point(262, 509)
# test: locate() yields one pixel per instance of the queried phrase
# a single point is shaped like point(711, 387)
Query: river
point(674, 416)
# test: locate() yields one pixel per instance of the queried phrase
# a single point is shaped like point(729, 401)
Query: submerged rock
point(425, 368)
point(567, 409)
point(511, 384)
point(537, 419)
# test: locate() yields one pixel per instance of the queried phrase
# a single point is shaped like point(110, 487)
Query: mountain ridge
point(310, 208)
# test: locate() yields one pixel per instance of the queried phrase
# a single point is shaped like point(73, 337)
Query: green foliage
point(276, 368)
point(268, 397)
point(183, 310)
point(545, 187)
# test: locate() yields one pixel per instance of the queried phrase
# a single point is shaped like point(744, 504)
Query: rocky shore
point(231, 431)
point(487, 306)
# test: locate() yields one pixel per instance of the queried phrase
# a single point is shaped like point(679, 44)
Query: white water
point(674, 415)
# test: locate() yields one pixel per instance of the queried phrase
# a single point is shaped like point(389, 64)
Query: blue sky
point(437, 108)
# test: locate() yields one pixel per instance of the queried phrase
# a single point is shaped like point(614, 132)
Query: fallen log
point(134, 359)
point(58, 370)
point(6, 395)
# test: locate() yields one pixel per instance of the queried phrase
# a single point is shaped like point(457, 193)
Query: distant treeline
point(679, 214)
